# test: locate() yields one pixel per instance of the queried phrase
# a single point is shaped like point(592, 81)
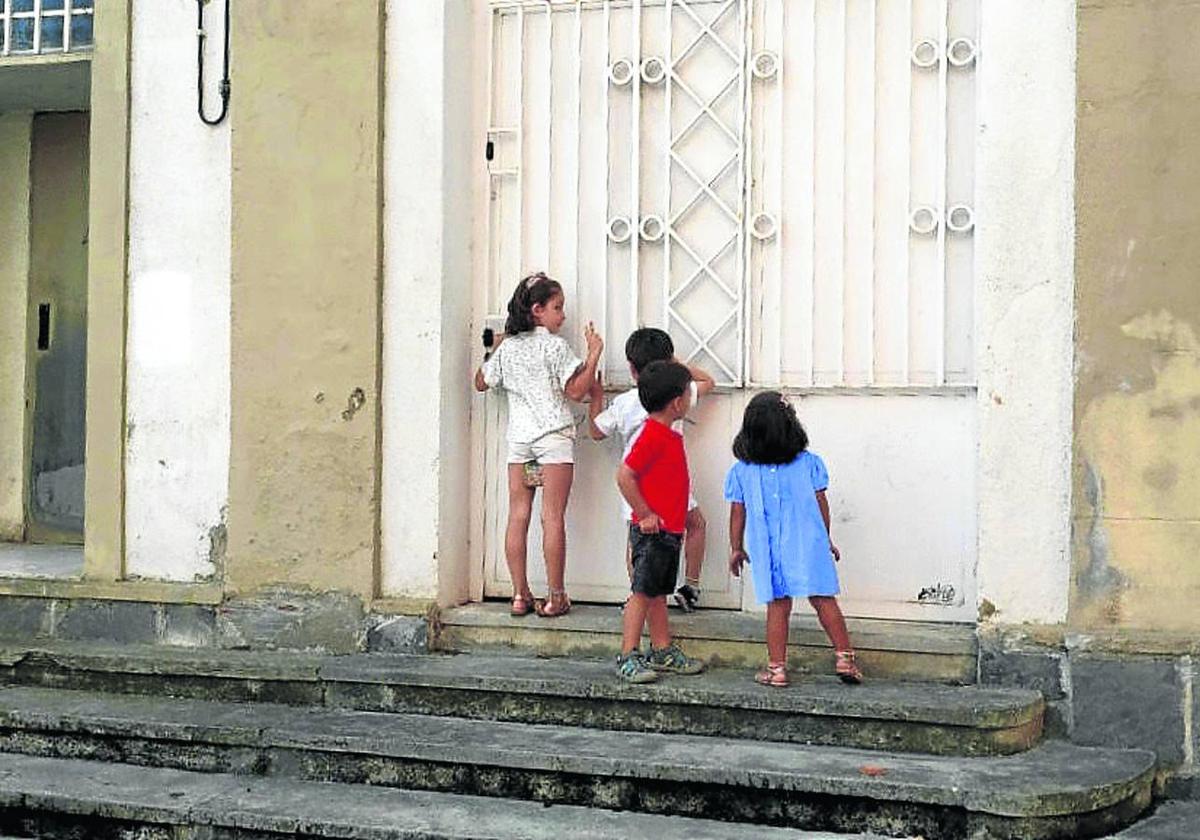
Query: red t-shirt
point(660, 464)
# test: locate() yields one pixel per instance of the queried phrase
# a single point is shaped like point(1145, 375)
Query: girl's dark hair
point(771, 432)
point(535, 289)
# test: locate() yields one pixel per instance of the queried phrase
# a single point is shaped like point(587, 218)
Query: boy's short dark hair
point(646, 345)
point(660, 383)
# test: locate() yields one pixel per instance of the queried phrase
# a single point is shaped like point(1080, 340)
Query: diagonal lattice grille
point(704, 266)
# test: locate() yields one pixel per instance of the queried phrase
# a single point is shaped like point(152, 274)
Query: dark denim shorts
point(655, 561)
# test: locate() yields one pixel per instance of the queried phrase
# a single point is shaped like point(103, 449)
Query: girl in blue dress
point(779, 524)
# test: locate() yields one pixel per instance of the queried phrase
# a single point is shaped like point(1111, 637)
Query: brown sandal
point(522, 605)
point(847, 669)
point(557, 604)
point(774, 675)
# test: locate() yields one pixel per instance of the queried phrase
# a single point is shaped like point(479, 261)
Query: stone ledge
point(731, 625)
point(948, 720)
point(898, 650)
point(114, 590)
point(37, 790)
point(1055, 780)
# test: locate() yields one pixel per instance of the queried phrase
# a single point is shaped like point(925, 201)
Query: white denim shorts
point(551, 448)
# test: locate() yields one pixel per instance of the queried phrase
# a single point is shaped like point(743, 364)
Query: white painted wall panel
point(1025, 260)
point(177, 457)
point(430, 152)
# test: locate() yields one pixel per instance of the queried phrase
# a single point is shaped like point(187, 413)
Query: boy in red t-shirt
point(654, 480)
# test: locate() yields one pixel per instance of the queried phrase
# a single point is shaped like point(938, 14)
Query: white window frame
point(71, 10)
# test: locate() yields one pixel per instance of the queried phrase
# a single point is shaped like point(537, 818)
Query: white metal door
point(786, 186)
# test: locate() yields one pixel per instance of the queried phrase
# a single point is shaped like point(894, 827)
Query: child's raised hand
point(737, 558)
point(594, 342)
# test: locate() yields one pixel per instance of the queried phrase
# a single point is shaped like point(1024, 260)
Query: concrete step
point(1054, 790)
point(939, 719)
point(887, 650)
point(62, 798)
point(1171, 820)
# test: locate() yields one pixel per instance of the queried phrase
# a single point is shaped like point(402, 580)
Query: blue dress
point(785, 534)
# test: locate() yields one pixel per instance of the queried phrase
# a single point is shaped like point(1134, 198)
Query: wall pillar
point(305, 257)
point(177, 406)
point(428, 344)
point(1025, 266)
point(14, 292)
point(108, 209)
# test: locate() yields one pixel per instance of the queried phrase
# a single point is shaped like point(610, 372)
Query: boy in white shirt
point(626, 417)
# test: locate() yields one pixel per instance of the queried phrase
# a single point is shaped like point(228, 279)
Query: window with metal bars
point(42, 27)
point(786, 186)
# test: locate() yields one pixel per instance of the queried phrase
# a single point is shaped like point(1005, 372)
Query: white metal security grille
point(36, 27)
point(785, 185)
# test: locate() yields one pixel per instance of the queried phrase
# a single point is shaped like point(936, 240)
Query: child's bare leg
point(779, 613)
point(634, 619)
point(629, 559)
point(693, 546)
point(660, 628)
point(556, 490)
point(520, 510)
point(832, 620)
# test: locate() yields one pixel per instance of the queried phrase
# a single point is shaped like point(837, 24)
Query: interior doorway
point(43, 341)
point(57, 333)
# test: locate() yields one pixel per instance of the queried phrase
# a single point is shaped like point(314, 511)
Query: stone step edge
point(926, 638)
point(506, 745)
point(285, 806)
point(329, 670)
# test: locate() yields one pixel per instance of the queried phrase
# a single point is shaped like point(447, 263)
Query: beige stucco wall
point(305, 263)
point(14, 292)
point(1136, 513)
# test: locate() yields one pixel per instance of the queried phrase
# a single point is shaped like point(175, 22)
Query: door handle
point(43, 336)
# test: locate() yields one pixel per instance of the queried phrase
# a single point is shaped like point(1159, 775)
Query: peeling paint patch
point(1169, 411)
point(1161, 476)
point(1138, 509)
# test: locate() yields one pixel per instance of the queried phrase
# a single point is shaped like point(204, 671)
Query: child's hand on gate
point(650, 524)
point(737, 558)
point(837, 555)
point(594, 342)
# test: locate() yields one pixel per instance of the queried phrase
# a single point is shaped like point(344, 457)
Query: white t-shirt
point(626, 417)
point(533, 368)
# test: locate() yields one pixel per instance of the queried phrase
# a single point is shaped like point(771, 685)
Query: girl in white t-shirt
point(539, 373)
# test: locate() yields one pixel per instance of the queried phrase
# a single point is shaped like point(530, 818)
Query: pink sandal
point(774, 675)
point(847, 669)
point(522, 605)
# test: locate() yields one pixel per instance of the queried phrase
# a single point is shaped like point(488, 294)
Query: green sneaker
point(632, 668)
point(672, 659)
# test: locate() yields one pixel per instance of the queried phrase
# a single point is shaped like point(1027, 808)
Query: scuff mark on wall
point(1098, 582)
point(354, 402)
point(218, 544)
